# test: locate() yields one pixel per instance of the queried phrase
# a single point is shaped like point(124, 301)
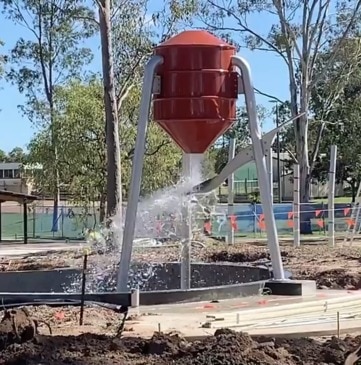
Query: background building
point(246, 182)
point(12, 178)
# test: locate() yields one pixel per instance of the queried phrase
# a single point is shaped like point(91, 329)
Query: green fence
point(70, 222)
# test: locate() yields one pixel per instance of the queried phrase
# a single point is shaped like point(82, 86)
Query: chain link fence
point(247, 220)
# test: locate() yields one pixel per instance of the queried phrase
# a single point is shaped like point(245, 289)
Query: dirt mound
point(225, 347)
point(17, 326)
point(32, 264)
point(331, 268)
point(332, 279)
point(245, 256)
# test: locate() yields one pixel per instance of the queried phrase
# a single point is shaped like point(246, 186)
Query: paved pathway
point(13, 248)
point(259, 315)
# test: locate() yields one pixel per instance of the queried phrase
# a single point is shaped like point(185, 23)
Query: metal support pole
point(187, 229)
point(1, 225)
point(260, 159)
point(280, 190)
point(269, 164)
point(136, 177)
point(296, 206)
point(331, 196)
point(231, 154)
point(186, 248)
point(25, 218)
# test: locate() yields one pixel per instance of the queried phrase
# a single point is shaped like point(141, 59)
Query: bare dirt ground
point(332, 268)
point(96, 343)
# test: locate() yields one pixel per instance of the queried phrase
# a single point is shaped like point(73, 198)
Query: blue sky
point(269, 75)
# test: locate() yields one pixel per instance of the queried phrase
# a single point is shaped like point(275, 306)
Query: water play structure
point(193, 80)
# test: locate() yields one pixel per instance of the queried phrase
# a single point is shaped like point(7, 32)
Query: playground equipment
point(195, 79)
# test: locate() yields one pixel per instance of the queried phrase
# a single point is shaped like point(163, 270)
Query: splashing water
point(158, 217)
point(158, 214)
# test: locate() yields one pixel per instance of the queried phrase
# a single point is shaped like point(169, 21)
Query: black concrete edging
point(163, 277)
point(123, 299)
point(210, 281)
point(201, 294)
point(145, 298)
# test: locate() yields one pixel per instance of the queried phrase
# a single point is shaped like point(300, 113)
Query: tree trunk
point(56, 177)
point(114, 188)
point(354, 187)
point(301, 132)
point(102, 204)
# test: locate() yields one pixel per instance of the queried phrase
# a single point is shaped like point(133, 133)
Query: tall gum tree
point(343, 120)
point(114, 187)
point(299, 32)
point(128, 32)
point(50, 53)
point(82, 142)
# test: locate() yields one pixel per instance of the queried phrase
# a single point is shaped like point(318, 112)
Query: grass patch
point(340, 199)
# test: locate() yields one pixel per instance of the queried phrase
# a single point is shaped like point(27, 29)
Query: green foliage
point(17, 154)
point(2, 60)
point(343, 125)
point(336, 105)
point(52, 53)
point(162, 160)
point(132, 35)
point(240, 131)
point(3, 156)
point(81, 143)
point(135, 31)
point(297, 33)
point(127, 35)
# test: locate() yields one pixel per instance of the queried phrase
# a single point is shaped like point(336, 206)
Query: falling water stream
point(158, 221)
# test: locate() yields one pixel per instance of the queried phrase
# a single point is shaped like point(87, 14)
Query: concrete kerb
point(301, 334)
point(315, 318)
point(312, 321)
point(319, 307)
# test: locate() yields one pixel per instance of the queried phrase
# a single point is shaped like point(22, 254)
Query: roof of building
point(10, 165)
point(9, 196)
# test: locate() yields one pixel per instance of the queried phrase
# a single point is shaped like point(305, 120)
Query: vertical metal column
point(231, 154)
point(1, 225)
point(296, 206)
point(25, 218)
point(187, 229)
point(331, 196)
point(269, 164)
point(280, 187)
point(136, 177)
point(267, 206)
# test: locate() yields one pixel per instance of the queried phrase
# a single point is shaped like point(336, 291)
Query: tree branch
point(158, 148)
point(268, 95)
point(99, 4)
point(316, 147)
point(293, 157)
point(338, 44)
point(287, 30)
point(123, 95)
point(128, 83)
point(244, 28)
point(320, 23)
point(130, 154)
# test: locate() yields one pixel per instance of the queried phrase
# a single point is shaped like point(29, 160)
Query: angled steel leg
point(260, 159)
point(244, 156)
point(136, 178)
